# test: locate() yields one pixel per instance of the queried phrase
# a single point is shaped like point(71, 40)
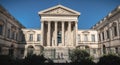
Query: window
point(30, 50)
point(0, 50)
point(93, 37)
point(31, 37)
point(16, 36)
point(104, 49)
point(108, 36)
point(99, 37)
point(116, 49)
point(8, 33)
point(114, 25)
point(1, 29)
point(13, 35)
point(11, 50)
point(22, 51)
point(38, 37)
point(103, 35)
point(115, 30)
point(59, 37)
point(78, 37)
point(94, 51)
point(85, 37)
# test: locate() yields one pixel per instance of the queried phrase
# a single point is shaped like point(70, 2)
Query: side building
point(88, 40)
point(109, 33)
point(11, 35)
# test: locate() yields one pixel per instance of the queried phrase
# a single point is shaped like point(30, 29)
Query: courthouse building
point(59, 34)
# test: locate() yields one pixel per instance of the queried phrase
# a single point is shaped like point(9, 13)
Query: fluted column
point(42, 36)
point(69, 31)
point(63, 33)
point(48, 35)
point(76, 27)
point(55, 33)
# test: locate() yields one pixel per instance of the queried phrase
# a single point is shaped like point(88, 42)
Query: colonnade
point(68, 32)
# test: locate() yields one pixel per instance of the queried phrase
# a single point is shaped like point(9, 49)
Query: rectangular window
point(94, 51)
point(31, 37)
point(1, 29)
point(38, 37)
point(16, 36)
point(85, 37)
point(116, 49)
point(78, 37)
point(99, 37)
point(103, 35)
point(59, 37)
point(108, 36)
point(0, 50)
point(8, 33)
point(22, 51)
point(13, 35)
point(115, 31)
point(93, 37)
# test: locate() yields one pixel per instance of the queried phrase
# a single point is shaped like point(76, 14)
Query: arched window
point(104, 49)
point(87, 49)
point(30, 50)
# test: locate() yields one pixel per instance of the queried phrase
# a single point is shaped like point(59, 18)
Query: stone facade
point(59, 34)
point(10, 35)
point(109, 33)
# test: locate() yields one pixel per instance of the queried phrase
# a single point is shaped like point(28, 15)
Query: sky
point(92, 11)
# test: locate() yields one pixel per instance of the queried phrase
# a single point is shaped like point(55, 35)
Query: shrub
point(109, 59)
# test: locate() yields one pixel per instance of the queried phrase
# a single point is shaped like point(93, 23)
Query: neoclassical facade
point(109, 33)
point(11, 35)
point(59, 34)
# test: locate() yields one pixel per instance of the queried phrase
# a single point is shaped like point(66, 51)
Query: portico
point(59, 26)
point(59, 31)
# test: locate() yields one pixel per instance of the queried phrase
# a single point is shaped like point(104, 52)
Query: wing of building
point(109, 32)
point(59, 34)
point(11, 35)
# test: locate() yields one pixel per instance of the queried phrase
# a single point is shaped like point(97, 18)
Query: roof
point(59, 10)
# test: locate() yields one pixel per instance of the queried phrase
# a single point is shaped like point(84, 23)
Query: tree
point(110, 59)
point(78, 55)
point(36, 60)
point(6, 60)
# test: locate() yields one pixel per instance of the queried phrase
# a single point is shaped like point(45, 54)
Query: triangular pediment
point(59, 10)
